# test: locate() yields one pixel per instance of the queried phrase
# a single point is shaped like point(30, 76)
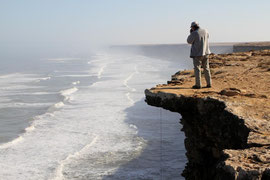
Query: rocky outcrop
point(227, 127)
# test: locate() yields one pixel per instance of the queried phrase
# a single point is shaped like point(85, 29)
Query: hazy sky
point(86, 22)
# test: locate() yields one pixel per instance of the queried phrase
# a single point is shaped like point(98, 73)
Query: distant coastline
point(255, 43)
point(248, 46)
point(172, 44)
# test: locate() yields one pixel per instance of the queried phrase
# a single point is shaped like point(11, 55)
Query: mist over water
point(83, 116)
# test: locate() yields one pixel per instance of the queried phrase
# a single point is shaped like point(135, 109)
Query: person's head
point(194, 26)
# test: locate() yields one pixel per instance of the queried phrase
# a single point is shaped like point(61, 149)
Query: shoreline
point(227, 126)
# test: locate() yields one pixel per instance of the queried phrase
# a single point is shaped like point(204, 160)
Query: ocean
point(84, 116)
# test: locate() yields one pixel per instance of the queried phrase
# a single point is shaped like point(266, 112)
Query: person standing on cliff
point(200, 51)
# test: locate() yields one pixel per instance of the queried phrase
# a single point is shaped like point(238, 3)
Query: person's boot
point(196, 87)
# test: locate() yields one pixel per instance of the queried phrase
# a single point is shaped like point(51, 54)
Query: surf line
point(101, 70)
point(14, 141)
point(59, 170)
point(27, 130)
point(65, 93)
point(128, 87)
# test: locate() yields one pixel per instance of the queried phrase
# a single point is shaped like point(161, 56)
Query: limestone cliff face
point(210, 128)
point(227, 128)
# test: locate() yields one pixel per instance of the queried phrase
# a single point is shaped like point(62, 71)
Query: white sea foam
point(43, 79)
point(129, 78)
point(46, 78)
point(30, 128)
point(101, 71)
point(94, 84)
point(99, 64)
point(93, 61)
point(56, 145)
point(11, 143)
point(129, 98)
point(129, 88)
point(76, 82)
point(59, 169)
point(68, 92)
point(27, 130)
point(58, 105)
point(133, 126)
point(41, 93)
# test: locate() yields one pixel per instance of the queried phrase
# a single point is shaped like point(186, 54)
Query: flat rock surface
point(242, 80)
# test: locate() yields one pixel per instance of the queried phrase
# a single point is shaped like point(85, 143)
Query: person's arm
point(191, 38)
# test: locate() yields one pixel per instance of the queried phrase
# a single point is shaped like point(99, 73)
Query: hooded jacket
point(199, 43)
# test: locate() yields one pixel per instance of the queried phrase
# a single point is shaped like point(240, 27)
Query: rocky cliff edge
point(227, 127)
